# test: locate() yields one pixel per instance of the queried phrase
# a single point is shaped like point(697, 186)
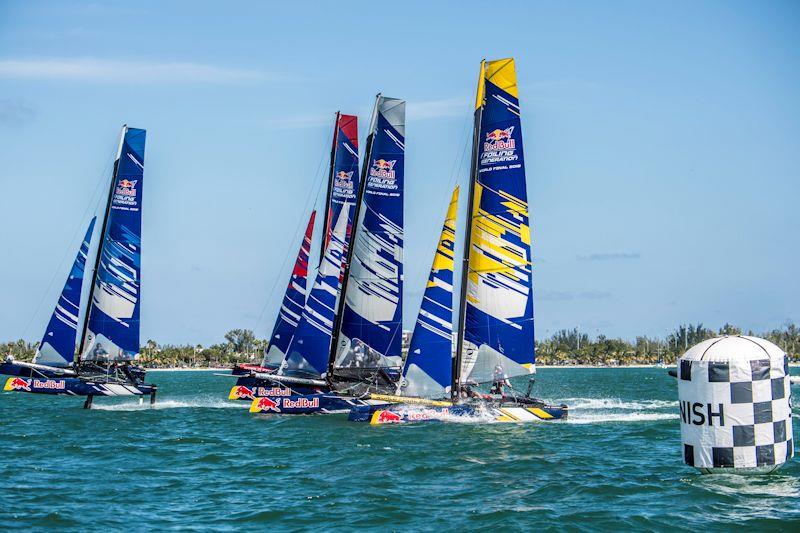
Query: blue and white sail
point(428, 369)
point(294, 300)
point(113, 316)
point(310, 348)
point(498, 325)
point(57, 347)
point(370, 335)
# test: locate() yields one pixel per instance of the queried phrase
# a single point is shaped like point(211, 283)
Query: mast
point(100, 244)
point(325, 221)
point(337, 322)
point(462, 299)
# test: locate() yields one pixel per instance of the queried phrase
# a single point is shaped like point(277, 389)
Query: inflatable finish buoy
point(734, 395)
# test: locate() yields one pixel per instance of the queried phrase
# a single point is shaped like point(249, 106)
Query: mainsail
point(293, 302)
point(308, 352)
point(428, 367)
point(57, 347)
point(497, 296)
point(370, 332)
point(112, 328)
point(344, 178)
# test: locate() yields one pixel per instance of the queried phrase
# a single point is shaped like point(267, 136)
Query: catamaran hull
point(307, 404)
point(41, 379)
point(75, 387)
point(249, 388)
point(402, 413)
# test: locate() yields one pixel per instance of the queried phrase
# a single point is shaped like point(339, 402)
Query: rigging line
point(455, 173)
point(81, 226)
point(300, 227)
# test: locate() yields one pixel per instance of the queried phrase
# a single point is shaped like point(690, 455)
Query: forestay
point(57, 347)
point(428, 368)
point(294, 300)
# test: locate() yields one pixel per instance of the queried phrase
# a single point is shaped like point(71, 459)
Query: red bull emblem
point(382, 173)
point(388, 417)
point(126, 191)
point(342, 175)
point(267, 404)
point(500, 139)
point(19, 384)
point(241, 392)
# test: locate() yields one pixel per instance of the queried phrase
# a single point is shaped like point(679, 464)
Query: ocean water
point(200, 462)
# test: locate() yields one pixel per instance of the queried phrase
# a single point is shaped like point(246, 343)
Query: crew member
point(499, 381)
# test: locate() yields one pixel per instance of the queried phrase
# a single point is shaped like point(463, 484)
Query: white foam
point(616, 403)
point(202, 403)
point(617, 417)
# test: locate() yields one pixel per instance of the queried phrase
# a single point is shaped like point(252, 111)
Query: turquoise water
point(198, 461)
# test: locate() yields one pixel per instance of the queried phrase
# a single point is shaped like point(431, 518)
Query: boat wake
point(207, 403)
point(612, 410)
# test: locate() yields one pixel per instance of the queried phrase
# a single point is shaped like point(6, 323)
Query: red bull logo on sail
point(126, 187)
point(500, 140)
point(382, 168)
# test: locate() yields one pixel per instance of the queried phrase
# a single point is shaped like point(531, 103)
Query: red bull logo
point(265, 404)
point(126, 187)
point(500, 140)
point(382, 174)
point(18, 384)
point(301, 403)
point(387, 417)
point(239, 392)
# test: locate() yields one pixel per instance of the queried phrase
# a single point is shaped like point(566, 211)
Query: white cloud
point(445, 107)
point(136, 72)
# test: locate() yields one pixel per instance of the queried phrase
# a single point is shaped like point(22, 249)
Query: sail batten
point(498, 324)
point(57, 347)
point(370, 329)
point(112, 327)
point(292, 304)
point(427, 370)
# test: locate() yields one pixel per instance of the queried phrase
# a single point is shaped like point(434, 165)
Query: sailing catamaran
point(495, 331)
point(109, 340)
point(360, 352)
point(342, 189)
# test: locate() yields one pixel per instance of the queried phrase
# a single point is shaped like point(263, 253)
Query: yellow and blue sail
point(308, 352)
point(294, 300)
point(498, 328)
point(114, 309)
point(428, 368)
point(57, 347)
point(344, 176)
point(370, 335)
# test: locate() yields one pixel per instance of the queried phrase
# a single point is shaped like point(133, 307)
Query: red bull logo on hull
point(239, 392)
point(18, 384)
point(265, 404)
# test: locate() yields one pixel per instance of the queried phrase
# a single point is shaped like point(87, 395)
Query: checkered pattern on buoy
point(735, 413)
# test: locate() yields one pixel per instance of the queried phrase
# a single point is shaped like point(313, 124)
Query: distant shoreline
point(187, 369)
point(227, 368)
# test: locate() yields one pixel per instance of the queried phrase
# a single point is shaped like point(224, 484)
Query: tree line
point(565, 347)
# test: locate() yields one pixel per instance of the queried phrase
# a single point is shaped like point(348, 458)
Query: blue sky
point(662, 143)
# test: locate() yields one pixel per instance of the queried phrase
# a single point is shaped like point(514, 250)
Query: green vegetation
point(566, 347)
point(570, 347)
